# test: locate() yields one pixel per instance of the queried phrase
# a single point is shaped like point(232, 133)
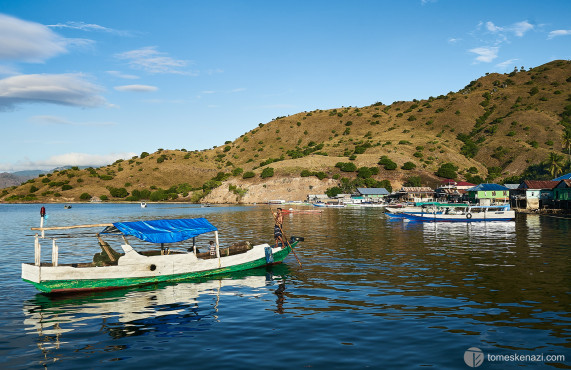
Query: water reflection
point(422, 292)
point(170, 309)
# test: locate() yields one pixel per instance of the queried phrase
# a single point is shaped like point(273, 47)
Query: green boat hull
point(69, 286)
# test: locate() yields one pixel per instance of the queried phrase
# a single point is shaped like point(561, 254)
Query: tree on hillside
point(555, 164)
point(267, 172)
point(447, 170)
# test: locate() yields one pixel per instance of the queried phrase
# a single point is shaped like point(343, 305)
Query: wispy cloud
point(136, 88)
point(557, 33)
point(28, 41)
point(485, 54)
point(63, 89)
point(493, 28)
point(55, 120)
point(506, 64)
point(453, 40)
point(150, 60)
point(8, 71)
point(519, 28)
point(123, 75)
point(67, 159)
point(89, 27)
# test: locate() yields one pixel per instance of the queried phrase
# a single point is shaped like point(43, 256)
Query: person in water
point(279, 222)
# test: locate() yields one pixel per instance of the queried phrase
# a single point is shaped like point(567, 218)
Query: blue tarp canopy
point(163, 231)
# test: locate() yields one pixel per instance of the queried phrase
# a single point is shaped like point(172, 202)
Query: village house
point(562, 194)
point(374, 195)
point(452, 191)
point(536, 194)
point(416, 194)
point(488, 194)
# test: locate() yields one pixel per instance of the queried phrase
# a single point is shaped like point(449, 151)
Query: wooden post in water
point(37, 251)
point(55, 253)
point(217, 248)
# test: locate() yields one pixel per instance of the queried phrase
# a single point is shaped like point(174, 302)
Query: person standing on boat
point(279, 223)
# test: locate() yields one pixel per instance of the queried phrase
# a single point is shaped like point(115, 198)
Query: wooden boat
point(111, 270)
point(420, 208)
point(463, 214)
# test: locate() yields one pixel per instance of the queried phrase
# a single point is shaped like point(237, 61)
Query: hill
point(494, 128)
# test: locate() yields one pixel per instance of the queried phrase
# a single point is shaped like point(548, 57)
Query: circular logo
point(473, 357)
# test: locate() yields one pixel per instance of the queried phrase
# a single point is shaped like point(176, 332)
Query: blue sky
point(88, 82)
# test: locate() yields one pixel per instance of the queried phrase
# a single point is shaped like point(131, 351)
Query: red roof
point(538, 184)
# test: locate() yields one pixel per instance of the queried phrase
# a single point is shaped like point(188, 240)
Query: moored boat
point(463, 214)
point(111, 270)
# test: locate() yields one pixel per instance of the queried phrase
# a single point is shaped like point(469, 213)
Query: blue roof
point(488, 187)
point(564, 177)
point(163, 231)
point(373, 191)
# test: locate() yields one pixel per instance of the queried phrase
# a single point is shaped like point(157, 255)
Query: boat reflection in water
point(187, 306)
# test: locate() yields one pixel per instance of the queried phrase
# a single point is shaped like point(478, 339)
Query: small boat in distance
point(143, 205)
point(112, 270)
point(67, 206)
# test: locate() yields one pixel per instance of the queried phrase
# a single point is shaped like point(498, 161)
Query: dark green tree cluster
point(300, 152)
point(320, 175)
point(346, 166)
point(447, 170)
point(387, 163)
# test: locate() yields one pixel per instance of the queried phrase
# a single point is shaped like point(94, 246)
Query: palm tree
point(567, 141)
point(554, 163)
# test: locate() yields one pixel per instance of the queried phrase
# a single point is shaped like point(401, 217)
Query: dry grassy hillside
point(500, 122)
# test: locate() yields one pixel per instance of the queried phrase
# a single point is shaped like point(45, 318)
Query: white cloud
point(28, 41)
point(492, 27)
point(89, 27)
point(506, 64)
point(64, 89)
point(520, 28)
point(485, 54)
point(68, 159)
point(55, 120)
point(556, 33)
point(136, 88)
point(453, 40)
point(150, 60)
point(123, 75)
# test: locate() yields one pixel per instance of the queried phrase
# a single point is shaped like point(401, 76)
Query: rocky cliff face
point(289, 189)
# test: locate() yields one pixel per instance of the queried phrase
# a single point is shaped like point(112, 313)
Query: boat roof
point(162, 231)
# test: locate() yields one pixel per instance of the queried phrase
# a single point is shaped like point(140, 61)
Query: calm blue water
point(373, 292)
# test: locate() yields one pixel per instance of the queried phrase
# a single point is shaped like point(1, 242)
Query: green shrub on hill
point(267, 172)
